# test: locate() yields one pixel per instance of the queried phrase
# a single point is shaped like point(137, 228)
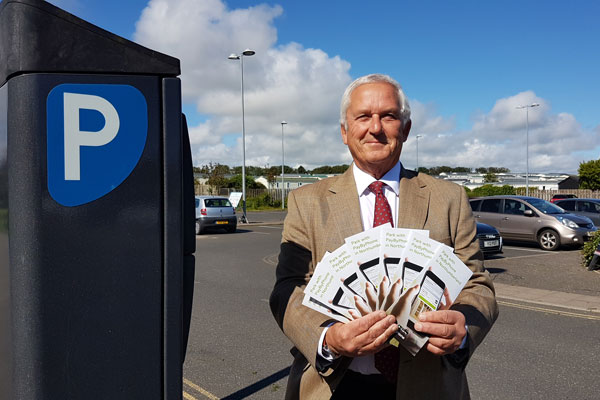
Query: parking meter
point(96, 212)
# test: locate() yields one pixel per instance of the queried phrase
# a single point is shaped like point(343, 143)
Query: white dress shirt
point(366, 364)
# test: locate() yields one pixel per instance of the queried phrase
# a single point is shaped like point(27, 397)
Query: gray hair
point(374, 78)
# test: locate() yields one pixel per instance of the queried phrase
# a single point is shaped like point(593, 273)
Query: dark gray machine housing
point(95, 299)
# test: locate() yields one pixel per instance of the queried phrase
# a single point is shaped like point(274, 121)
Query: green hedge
point(262, 202)
point(587, 252)
point(491, 190)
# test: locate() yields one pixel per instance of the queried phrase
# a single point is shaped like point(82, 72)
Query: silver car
point(587, 207)
point(214, 212)
point(532, 219)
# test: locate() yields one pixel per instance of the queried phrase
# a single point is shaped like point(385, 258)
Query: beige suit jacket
point(320, 216)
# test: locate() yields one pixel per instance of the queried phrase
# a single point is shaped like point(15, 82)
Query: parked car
point(562, 196)
point(587, 207)
point(532, 219)
point(490, 241)
point(214, 212)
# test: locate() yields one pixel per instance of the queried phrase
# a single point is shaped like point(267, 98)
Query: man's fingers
point(443, 317)
point(447, 300)
point(438, 351)
point(435, 329)
point(375, 338)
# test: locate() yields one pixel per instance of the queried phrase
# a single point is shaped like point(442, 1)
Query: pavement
point(538, 296)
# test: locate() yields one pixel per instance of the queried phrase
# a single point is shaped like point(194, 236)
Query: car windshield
point(545, 206)
point(217, 203)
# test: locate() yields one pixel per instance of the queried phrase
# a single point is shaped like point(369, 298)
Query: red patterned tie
point(383, 212)
point(386, 361)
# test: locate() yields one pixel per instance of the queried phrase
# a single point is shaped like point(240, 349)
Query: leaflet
point(364, 248)
point(393, 243)
point(323, 287)
point(414, 274)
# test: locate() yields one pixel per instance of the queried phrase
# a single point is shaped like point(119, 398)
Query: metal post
point(527, 107)
point(527, 151)
point(245, 53)
point(282, 170)
point(418, 136)
point(244, 216)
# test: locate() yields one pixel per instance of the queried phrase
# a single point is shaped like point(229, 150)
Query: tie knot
point(376, 187)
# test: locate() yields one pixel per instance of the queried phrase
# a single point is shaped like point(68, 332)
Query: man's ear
point(344, 137)
point(406, 130)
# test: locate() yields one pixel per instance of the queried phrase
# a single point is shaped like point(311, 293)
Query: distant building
point(572, 182)
point(550, 181)
point(290, 181)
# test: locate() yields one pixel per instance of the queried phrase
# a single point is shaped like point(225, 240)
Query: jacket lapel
point(413, 204)
point(344, 206)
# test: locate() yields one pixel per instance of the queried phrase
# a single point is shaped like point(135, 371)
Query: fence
point(547, 194)
point(274, 194)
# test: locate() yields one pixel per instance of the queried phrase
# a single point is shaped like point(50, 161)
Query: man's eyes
point(385, 117)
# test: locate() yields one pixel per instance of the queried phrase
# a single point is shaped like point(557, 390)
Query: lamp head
point(233, 56)
point(248, 52)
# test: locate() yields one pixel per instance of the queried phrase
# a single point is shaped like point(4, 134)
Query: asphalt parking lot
point(527, 265)
point(536, 350)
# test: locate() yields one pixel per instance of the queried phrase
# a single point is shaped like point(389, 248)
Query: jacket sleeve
point(302, 325)
point(477, 300)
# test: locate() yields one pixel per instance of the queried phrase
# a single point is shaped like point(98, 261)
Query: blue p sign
point(96, 134)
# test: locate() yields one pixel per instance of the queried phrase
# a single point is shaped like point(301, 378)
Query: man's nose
point(375, 126)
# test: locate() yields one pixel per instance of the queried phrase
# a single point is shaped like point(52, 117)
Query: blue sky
point(464, 66)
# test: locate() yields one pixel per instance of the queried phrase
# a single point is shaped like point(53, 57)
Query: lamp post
point(418, 136)
point(233, 56)
point(282, 171)
point(527, 107)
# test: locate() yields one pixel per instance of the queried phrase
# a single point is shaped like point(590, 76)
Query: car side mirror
point(528, 213)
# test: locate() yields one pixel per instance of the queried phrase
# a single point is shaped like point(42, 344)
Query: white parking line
point(271, 227)
point(521, 248)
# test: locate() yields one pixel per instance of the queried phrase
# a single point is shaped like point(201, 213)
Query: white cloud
point(498, 138)
point(303, 86)
point(281, 82)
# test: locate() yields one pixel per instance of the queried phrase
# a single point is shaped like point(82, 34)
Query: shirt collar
point(391, 178)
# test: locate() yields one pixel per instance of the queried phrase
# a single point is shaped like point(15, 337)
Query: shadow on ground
point(257, 386)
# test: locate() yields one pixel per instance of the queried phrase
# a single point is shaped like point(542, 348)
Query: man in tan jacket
point(335, 360)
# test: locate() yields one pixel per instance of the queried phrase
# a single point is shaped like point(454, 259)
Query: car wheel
point(549, 240)
point(198, 228)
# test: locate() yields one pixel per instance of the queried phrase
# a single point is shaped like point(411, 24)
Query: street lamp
point(282, 172)
point(233, 56)
point(527, 107)
point(418, 136)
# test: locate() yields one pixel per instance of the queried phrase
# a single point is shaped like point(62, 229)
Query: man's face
point(375, 131)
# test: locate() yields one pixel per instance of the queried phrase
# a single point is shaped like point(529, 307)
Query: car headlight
point(568, 223)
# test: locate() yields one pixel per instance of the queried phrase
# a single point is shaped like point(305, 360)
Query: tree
point(490, 177)
point(301, 170)
point(589, 175)
point(216, 174)
point(235, 182)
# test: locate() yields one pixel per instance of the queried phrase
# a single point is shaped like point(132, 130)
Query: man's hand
point(446, 329)
point(365, 335)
